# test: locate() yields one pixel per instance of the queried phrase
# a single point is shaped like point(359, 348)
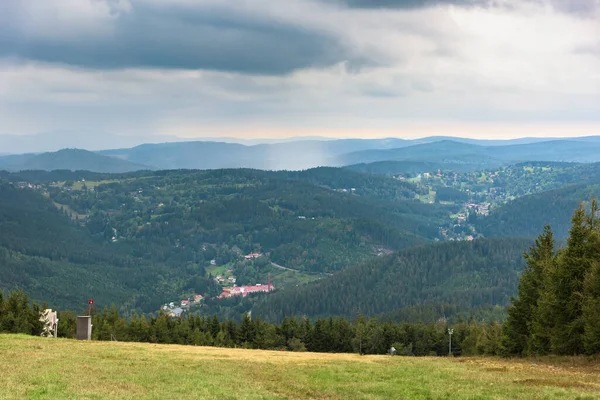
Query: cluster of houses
point(252, 256)
point(479, 209)
point(351, 190)
point(176, 309)
point(450, 235)
point(303, 217)
point(482, 209)
point(27, 185)
point(246, 290)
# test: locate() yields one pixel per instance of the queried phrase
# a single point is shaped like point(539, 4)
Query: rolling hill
point(69, 159)
point(305, 220)
point(141, 238)
point(422, 283)
point(455, 152)
point(414, 167)
point(435, 151)
point(55, 260)
point(276, 156)
point(524, 216)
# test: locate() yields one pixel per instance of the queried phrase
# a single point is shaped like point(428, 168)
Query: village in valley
point(227, 281)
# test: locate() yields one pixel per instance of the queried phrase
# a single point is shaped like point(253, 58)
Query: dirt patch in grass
point(497, 369)
point(562, 384)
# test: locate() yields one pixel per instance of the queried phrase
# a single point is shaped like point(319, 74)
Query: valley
point(301, 199)
point(188, 233)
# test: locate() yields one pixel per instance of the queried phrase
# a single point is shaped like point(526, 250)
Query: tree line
point(559, 293)
point(362, 335)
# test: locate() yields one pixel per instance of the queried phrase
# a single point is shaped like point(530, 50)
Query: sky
point(335, 68)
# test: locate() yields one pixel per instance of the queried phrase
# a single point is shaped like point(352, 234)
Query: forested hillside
point(171, 215)
point(451, 151)
point(139, 239)
point(446, 151)
point(524, 216)
point(414, 167)
point(422, 283)
point(69, 159)
point(53, 259)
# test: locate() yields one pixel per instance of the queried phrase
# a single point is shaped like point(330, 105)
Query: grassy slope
point(39, 368)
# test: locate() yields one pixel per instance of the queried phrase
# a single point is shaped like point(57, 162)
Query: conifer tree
point(591, 310)
point(518, 328)
point(247, 331)
point(567, 284)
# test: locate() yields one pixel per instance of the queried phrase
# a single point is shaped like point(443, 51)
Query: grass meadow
point(38, 368)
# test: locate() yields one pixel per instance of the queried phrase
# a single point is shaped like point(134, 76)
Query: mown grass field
point(38, 368)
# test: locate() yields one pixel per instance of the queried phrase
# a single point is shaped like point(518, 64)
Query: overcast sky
point(280, 68)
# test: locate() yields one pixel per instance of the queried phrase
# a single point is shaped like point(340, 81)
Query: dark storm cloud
point(182, 36)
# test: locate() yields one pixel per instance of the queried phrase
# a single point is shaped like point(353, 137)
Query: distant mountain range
point(89, 140)
point(69, 159)
point(98, 140)
point(445, 153)
point(454, 152)
point(213, 155)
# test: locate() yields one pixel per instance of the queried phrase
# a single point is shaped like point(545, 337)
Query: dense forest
point(318, 221)
point(422, 283)
point(45, 253)
point(556, 312)
point(412, 167)
point(141, 239)
point(525, 215)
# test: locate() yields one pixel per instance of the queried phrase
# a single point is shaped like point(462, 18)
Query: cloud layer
point(153, 34)
point(202, 67)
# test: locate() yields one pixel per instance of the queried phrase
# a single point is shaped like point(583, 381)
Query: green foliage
point(519, 336)
point(417, 167)
point(335, 335)
point(303, 219)
point(51, 257)
point(414, 283)
point(524, 216)
point(558, 296)
point(591, 310)
point(141, 239)
point(18, 316)
point(450, 194)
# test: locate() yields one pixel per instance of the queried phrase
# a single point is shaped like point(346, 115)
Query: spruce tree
point(517, 330)
point(591, 288)
point(591, 310)
point(563, 308)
